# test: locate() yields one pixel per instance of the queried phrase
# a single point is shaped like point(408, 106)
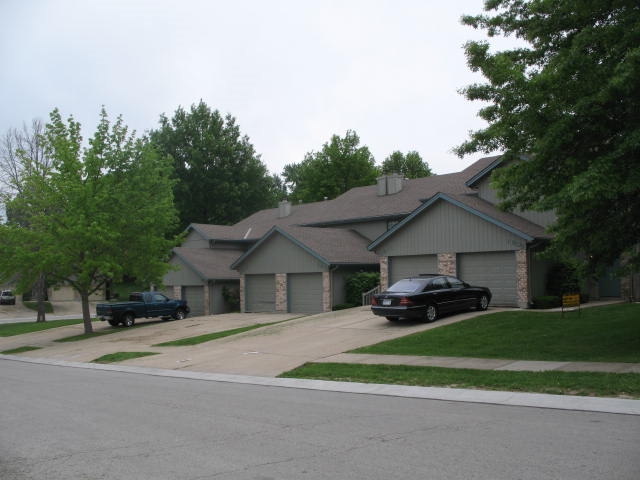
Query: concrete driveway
point(266, 351)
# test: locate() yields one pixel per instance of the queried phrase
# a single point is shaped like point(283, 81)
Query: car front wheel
point(180, 314)
point(432, 313)
point(483, 303)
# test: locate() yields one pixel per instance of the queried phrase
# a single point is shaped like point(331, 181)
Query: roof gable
point(512, 223)
point(330, 246)
point(209, 264)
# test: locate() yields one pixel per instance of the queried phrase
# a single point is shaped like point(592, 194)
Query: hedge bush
point(548, 301)
point(359, 283)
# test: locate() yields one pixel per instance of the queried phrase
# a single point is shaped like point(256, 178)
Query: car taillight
point(405, 302)
point(374, 301)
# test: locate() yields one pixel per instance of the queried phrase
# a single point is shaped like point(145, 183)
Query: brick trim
point(281, 292)
point(447, 264)
point(522, 278)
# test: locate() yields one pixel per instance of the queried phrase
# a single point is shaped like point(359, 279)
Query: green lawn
point(600, 384)
point(26, 348)
point(207, 337)
point(11, 329)
point(121, 356)
point(598, 334)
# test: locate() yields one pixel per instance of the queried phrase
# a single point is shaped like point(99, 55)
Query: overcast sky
point(292, 72)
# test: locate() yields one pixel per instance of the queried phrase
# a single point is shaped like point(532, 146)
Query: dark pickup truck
point(141, 305)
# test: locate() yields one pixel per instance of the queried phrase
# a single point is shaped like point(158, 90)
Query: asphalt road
point(74, 423)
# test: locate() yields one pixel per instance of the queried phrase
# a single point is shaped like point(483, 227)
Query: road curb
point(519, 399)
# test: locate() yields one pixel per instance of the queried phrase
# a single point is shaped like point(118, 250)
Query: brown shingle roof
point(210, 264)
point(335, 245)
point(361, 203)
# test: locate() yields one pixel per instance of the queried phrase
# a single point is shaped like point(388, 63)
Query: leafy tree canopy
point(93, 214)
point(220, 177)
point(568, 99)
point(410, 165)
point(340, 165)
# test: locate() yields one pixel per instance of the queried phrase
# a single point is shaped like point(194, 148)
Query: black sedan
point(427, 297)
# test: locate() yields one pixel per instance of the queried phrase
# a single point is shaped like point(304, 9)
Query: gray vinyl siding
point(280, 255)
point(260, 293)
point(447, 228)
point(540, 218)
point(496, 270)
point(543, 219)
point(183, 276)
point(195, 240)
point(304, 292)
point(411, 266)
point(194, 295)
point(487, 193)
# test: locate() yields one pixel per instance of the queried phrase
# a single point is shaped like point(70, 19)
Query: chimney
point(395, 183)
point(390, 184)
point(284, 209)
point(382, 186)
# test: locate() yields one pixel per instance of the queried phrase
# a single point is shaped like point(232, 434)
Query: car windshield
point(408, 285)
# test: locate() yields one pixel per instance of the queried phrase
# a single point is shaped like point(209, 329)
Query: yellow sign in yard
point(571, 301)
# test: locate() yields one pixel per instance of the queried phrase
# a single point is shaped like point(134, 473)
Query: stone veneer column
point(242, 306)
point(447, 264)
point(177, 292)
point(326, 291)
point(384, 273)
point(522, 278)
point(281, 292)
point(205, 296)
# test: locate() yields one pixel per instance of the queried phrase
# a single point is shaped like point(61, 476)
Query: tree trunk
point(40, 289)
point(86, 312)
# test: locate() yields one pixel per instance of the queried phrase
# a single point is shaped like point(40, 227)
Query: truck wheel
point(180, 314)
point(128, 320)
point(113, 323)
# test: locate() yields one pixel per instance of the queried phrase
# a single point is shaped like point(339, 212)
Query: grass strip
point(106, 331)
point(26, 348)
point(598, 384)
point(85, 336)
point(33, 305)
point(598, 334)
point(121, 356)
point(207, 337)
point(20, 328)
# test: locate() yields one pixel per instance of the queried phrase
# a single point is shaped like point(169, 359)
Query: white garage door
point(411, 266)
point(304, 292)
point(496, 270)
point(195, 299)
point(260, 293)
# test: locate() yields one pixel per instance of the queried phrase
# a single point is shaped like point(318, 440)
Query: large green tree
point(564, 106)
point(95, 214)
point(220, 177)
point(410, 165)
point(340, 165)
